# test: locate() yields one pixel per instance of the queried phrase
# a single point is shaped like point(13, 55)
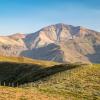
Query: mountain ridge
point(59, 42)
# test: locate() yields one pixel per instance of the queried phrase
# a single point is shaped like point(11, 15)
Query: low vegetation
point(49, 82)
point(20, 73)
point(81, 83)
point(9, 93)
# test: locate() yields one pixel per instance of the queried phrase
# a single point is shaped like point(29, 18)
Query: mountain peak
point(60, 24)
point(67, 26)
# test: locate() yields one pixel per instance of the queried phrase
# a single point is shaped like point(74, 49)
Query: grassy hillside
point(26, 60)
point(82, 83)
point(24, 73)
point(20, 73)
point(58, 82)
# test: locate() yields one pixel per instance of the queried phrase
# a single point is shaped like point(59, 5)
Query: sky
point(28, 16)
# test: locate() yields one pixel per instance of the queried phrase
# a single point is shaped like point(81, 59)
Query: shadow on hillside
point(14, 72)
point(24, 73)
point(49, 52)
point(95, 58)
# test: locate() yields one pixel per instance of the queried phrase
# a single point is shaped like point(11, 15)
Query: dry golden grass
point(81, 83)
point(27, 60)
point(9, 93)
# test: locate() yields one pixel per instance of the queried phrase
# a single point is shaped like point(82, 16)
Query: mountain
point(59, 42)
point(11, 45)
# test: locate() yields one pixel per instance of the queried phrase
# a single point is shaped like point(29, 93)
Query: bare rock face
point(60, 42)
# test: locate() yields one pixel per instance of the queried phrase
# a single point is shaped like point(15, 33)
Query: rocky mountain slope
point(60, 42)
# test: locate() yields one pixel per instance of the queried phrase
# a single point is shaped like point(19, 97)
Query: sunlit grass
point(76, 84)
point(9, 93)
point(27, 60)
point(79, 83)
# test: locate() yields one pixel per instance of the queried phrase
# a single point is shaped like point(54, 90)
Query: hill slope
point(81, 83)
point(20, 73)
point(72, 82)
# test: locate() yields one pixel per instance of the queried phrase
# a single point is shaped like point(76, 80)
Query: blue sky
point(31, 15)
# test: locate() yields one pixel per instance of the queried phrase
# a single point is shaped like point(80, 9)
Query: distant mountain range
point(60, 42)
